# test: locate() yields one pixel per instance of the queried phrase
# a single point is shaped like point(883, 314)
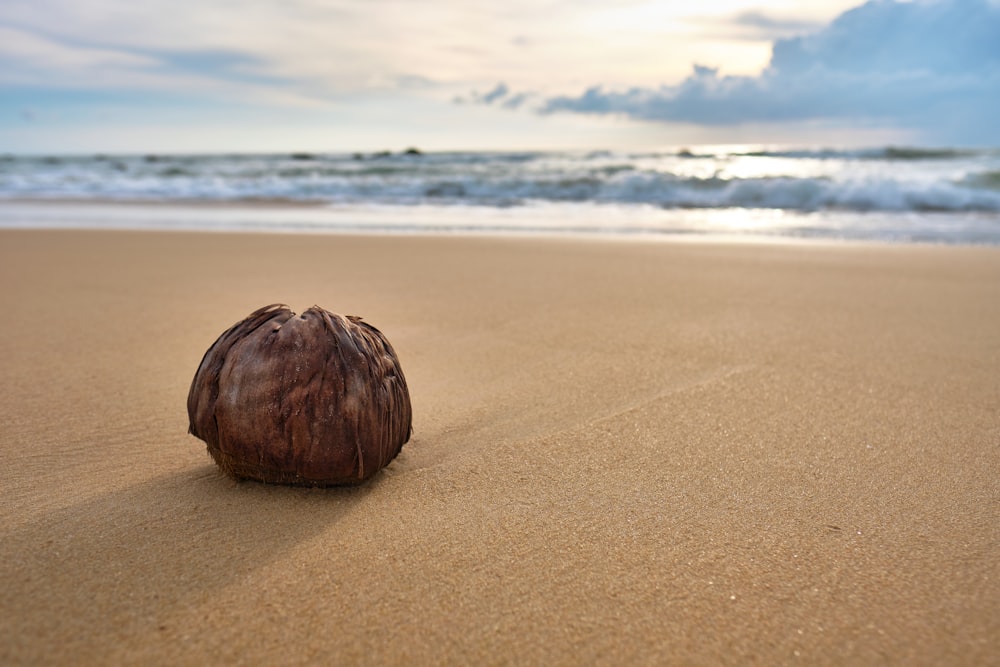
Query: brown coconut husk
point(314, 399)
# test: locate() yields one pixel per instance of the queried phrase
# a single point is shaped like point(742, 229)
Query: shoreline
point(532, 221)
point(624, 452)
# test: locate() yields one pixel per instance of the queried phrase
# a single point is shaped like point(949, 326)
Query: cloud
point(500, 95)
point(929, 66)
point(756, 23)
point(500, 91)
point(305, 51)
point(212, 63)
point(26, 57)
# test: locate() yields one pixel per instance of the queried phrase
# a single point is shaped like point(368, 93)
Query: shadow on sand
point(122, 562)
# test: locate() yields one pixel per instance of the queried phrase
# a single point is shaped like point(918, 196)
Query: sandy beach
point(624, 452)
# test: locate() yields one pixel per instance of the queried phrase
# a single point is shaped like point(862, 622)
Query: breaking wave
point(888, 179)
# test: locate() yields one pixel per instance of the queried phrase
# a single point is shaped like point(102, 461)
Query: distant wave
point(989, 180)
point(886, 179)
point(888, 153)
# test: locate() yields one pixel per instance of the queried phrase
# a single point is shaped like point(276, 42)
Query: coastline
point(623, 452)
point(565, 220)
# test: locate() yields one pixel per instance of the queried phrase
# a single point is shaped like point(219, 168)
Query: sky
point(112, 76)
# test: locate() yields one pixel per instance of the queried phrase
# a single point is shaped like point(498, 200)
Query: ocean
point(879, 194)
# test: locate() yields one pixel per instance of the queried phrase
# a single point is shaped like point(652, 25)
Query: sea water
point(886, 194)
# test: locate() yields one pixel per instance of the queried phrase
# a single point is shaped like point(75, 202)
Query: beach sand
point(624, 452)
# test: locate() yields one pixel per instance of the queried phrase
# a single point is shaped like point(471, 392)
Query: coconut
point(315, 399)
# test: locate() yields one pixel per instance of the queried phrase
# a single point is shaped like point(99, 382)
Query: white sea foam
point(910, 184)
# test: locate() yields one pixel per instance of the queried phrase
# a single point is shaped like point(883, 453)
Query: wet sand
point(623, 453)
